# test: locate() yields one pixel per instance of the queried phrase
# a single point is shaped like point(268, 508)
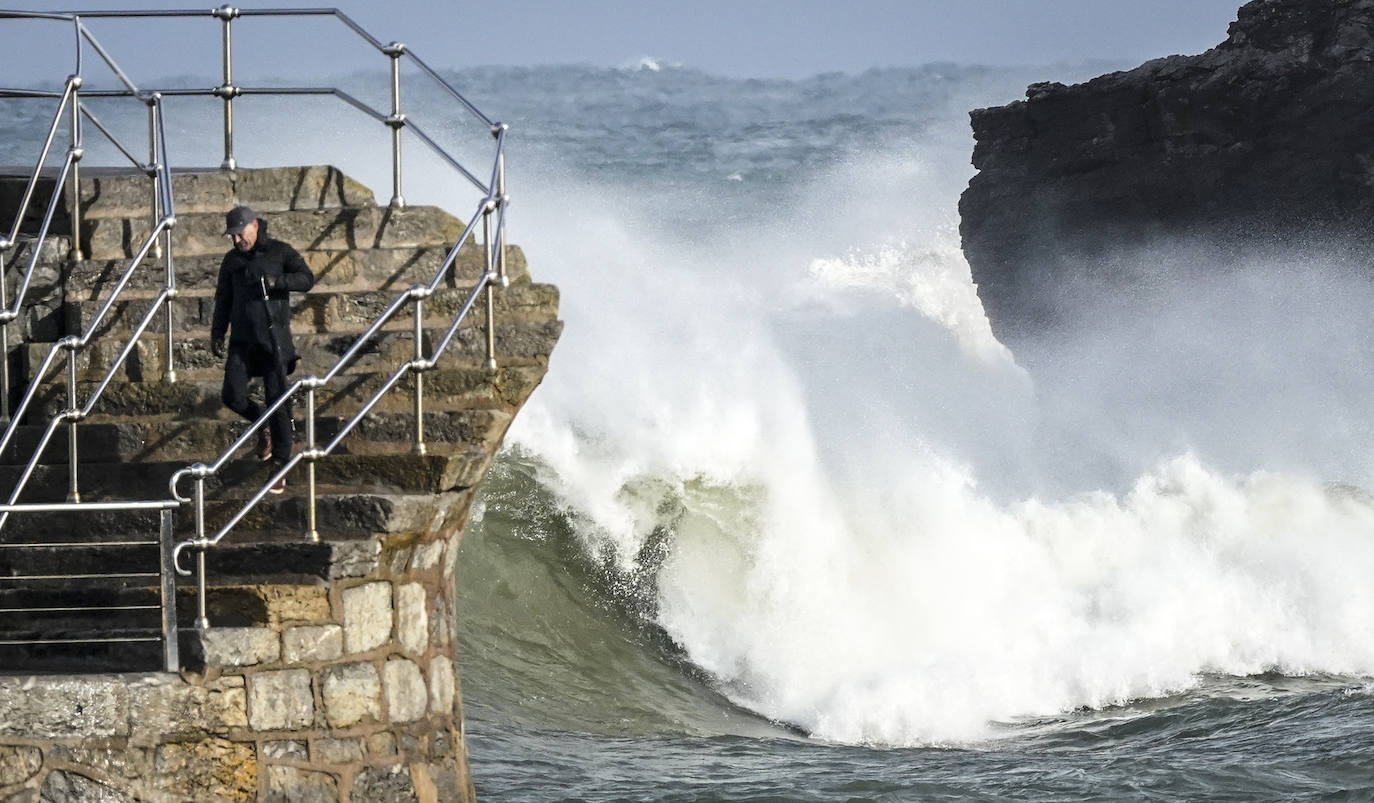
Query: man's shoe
point(278, 487)
point(264, 446)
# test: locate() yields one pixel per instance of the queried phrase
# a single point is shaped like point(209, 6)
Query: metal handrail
point(72, 345)
point(491, 210)
point(200, 471)
point(72, 83)
point(73, 416)
point(95, 45)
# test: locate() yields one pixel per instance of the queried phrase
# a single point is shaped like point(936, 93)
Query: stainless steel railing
point(491, 210)
point(72, 345)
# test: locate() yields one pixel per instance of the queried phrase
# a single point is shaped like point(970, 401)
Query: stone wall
point(346, 692)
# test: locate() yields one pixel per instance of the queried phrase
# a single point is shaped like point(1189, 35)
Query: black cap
point(238, 219)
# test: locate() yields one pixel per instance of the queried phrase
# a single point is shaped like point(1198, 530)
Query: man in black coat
point(252, 303)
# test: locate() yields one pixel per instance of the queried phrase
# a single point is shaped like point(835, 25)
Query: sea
point(785, 520)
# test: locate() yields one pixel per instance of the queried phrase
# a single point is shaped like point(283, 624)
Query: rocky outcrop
point(1261, 142)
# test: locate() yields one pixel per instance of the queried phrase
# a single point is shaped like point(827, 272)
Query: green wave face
point(556, 633)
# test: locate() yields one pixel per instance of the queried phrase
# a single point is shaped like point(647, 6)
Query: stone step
point(126, 193)
point(457, 388)
point(107, 192)
point(61, 659)
point(446, 389)
point(117, 564)
point(385, 268)
point(384, 474)
point(177, 437)
point(518, 343)
point(336, 229)
point(342, 512)
point(79, 601)
point(88, 600)
point(318, 311)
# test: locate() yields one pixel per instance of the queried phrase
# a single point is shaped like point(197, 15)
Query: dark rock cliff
point(1266, 140)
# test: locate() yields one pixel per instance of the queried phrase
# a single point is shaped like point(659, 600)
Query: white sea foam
point(847, 554)
point(883, 530)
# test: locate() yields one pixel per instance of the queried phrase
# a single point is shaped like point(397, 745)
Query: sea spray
point(841, 468)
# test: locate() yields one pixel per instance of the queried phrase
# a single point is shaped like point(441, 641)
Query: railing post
point(490, 291)
point(396, 122)
point(4, 346)
point(202, 621)
point(170, 651)
point(313, 533)
point(155, 129)
point(419, 377)
point(77, 152)
point(227, 91)
point(73, 491)
point(501, 232)
point(153, 174)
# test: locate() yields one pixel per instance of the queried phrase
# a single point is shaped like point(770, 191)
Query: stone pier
point(329, 672)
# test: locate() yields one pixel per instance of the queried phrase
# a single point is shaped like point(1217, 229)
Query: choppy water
point(786, 522)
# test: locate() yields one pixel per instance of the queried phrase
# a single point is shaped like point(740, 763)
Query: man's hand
point(217, 347)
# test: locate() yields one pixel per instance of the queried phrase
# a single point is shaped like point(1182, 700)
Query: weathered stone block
point(451, 556)
point(61, 708)
point(351, 692)
point(312, 643)
point(381, 745)
point(449, 783)
point(239, 646)
point(167, 707)
point(18, 764)
point(440, 623)
point(290, 604)
point(441, 685)
point(212, 769)
point(427, 555)
point(367, 616)
point(339, 751)
point(355, 559)
point(291, 785)
point(398, 560)
point(69, 787)
point(406, 696)
point(385, 785)
point(285, 750)
point(280, 700)
point(412, 618)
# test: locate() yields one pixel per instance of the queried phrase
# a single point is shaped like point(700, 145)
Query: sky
point(738, 38)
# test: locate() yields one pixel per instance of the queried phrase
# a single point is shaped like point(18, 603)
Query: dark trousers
point(247, 360)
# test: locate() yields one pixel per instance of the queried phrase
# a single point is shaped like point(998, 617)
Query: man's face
point(246, 239)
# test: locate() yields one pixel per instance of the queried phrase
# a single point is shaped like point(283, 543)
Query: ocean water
point(785, 520)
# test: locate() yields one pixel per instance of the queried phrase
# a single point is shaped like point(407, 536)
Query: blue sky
point(744, 38)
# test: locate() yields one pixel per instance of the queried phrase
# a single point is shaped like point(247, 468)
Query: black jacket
point(239, 301)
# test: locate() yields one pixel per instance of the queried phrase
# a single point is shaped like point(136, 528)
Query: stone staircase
point(375, 489)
